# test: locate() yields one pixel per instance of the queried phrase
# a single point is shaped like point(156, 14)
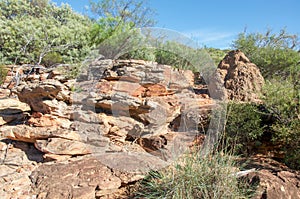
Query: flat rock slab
point(60, 146)
point(12, 106)
point(283, 184)
point(132, 162)
point(12, 109)
point(78, 179)
point(31, 134)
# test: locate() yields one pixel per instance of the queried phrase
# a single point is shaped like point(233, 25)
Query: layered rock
point(49, 96)
point(12, 110)
point(272, 179)
point(17, 161)
point(124, 113)
point(120, 119)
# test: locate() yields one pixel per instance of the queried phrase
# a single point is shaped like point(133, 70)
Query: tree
point(116, 30)
point(273, 53)
point(278, 57)
point(135, 12)
point(30, 29)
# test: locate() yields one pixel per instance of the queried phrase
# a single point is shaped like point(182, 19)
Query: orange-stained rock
point(26, 133)
point(61, 146)
point(38, 120)
point(155, 90)
point(236, 79)
point(37, 94)
point(104, 86)
point(11, 110)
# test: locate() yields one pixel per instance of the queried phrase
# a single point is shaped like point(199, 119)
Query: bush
point(273, 53)
point(3, 73)
point(51, 59)
point(282, 99)
point(195, 176)
point(244, 125)
point(216, 54)
point(29, 30)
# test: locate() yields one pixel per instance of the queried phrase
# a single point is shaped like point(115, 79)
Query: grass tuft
point(196, 176)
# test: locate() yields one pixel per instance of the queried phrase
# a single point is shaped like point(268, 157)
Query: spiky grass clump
point(195, 176)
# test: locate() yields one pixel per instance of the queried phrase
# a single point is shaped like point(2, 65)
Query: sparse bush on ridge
point(274, 53)
point(278, 57)
point(216, 54)
point(51, 59)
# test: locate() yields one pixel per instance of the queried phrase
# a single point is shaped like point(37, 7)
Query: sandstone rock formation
point(118, 121)
point(12, 110)
point(93, 137)
point(273, 179)
point(236, 79)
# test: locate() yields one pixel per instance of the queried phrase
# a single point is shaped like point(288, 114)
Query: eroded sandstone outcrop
point(119, 120)
point(92, 137)
point(236, 78)
point(272, 179)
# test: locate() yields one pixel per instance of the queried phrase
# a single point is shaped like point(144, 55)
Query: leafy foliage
point(272, 53)
point(116, 31)
point(216, 54)
point(283, 102)
point(278, 57)
point(172, 53)
point(3, 73)
point(244, 125)
point(113, 37)
point(135, 12)
point(51, 59)
point(29, 30)
point(116, 35)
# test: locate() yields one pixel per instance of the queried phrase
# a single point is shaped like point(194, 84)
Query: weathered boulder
point(17, 161)
point(144, 98)
point(29, 134)
point(11, 110)
point(236, 79)
point(283, 184)
point(61, 146)
point(273, 179)
point(48, 120)
point(142, 72)
point(79, 179)
point(36, 95)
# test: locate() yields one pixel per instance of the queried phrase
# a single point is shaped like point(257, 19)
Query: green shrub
point(28, 32)
point(244, 125)
point(273, 53)
point(282, 99)
point(74, 71)
point(51, 59)
point(216, 54)
point(3, 73)
point(195, 176)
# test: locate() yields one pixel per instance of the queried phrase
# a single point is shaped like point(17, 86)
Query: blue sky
point(215, 23)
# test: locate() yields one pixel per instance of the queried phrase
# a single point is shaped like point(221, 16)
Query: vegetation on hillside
point(274, 53)
point(30, 30)
point(40, 32)
point(278, 57)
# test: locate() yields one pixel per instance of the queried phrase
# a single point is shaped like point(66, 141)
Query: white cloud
point(212, 38)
